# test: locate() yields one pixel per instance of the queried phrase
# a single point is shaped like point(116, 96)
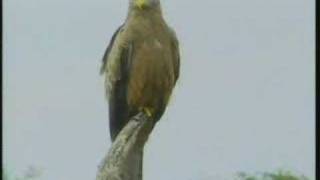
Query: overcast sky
point(244, 102)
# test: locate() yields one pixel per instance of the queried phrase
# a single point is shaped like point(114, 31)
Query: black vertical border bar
point(317, 160)
point(1, 86)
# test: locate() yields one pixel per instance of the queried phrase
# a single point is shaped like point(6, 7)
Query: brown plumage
point(141, 65)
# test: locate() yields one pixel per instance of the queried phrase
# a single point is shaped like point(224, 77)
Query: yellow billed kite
point(141, 65)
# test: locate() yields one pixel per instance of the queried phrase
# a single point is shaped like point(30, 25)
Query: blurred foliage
point(31, 173)
point(279, 175)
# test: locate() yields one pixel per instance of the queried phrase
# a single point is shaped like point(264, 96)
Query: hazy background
point(244, 102)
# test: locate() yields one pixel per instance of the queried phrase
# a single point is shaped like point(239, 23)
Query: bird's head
point(143, 4)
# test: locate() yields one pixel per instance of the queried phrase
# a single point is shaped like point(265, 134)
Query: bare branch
point(123, 161)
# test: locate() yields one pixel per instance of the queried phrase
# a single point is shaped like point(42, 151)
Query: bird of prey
point(140, 65)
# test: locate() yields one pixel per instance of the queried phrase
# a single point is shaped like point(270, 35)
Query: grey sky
point(244, 102)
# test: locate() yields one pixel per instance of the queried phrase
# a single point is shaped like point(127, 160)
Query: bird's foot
point(147, 111)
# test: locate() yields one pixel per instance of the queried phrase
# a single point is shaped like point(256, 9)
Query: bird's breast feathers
point(151, 56)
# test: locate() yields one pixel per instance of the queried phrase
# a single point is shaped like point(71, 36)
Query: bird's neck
point(147, 12)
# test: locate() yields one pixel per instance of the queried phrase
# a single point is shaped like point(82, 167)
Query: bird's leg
point(147, 110)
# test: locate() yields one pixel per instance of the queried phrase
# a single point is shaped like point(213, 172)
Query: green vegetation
point(35, 174)
point(279, 175)
point(31, 173)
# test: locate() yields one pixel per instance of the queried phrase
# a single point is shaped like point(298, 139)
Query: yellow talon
point(148, 111)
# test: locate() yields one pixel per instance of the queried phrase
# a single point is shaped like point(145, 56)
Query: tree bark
point(124, 159)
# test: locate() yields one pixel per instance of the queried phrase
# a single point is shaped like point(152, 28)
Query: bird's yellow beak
point(140, 3)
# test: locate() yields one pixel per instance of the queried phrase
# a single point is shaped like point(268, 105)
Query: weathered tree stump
point(124, 159)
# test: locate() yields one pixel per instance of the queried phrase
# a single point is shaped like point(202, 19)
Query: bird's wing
point(175, 54)
point(116, 60)
point(107, 52)
point(116, 67)
point(118, 106)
